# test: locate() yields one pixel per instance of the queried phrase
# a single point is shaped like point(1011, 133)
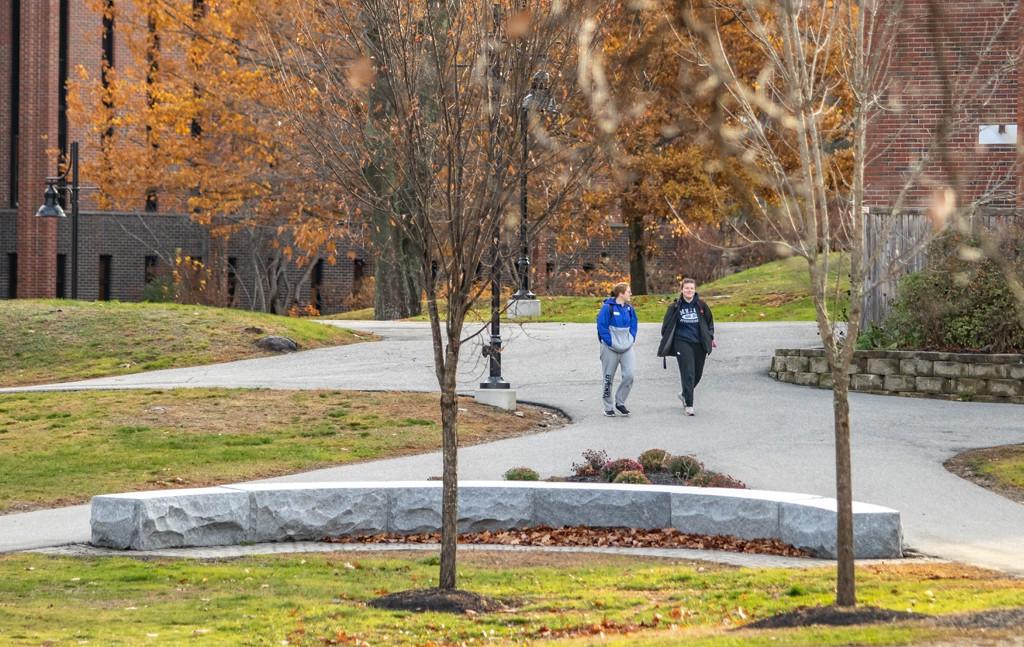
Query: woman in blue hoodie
point(616, 329)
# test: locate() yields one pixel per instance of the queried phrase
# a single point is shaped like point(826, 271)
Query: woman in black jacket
point(688, 332)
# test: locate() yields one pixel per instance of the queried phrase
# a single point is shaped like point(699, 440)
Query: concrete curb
point(271, 512)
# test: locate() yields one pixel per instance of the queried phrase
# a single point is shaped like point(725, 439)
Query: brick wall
point(900, 137)
point(6, 60)
point(129, 238)
point(38, 128)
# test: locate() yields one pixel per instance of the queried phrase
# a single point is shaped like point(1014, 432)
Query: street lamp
point(51, 208)
point(538, 99)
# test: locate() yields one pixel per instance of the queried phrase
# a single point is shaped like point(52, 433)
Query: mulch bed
point(833, 616)
point(961, 466)
point(453, 601)
point(584, 536)
point(706, 478)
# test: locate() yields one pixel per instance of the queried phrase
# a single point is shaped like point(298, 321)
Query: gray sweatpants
point(610, 360)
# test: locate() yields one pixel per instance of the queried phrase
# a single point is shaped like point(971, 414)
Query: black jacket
point(668, 327)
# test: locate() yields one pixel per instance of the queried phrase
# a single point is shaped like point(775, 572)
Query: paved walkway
point(768, 434)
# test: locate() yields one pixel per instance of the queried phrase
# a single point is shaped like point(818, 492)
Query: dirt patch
point(584, 536)
point(998, 619)
point(453, 601)
point(964, 465)
point(833, 616)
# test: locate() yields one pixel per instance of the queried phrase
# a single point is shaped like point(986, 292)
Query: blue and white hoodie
point(616, 325)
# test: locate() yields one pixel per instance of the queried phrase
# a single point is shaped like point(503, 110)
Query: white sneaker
point(689, 411)
point(681, 398)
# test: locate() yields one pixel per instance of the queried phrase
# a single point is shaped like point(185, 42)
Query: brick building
point(980, 68)
point(983, 69)
point(41, 42)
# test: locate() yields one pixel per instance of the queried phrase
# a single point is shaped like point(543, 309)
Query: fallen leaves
point(594, 537)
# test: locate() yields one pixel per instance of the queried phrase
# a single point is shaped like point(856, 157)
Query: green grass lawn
point(57, 341)
point(776, 291)
point(314, 599)
point(1007, 469)
point(1002, 466)
point(61, 448)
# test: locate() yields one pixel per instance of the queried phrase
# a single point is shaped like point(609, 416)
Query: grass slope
point(776, 291)
point(318, 599)
point(57, 341)
point(63, 447)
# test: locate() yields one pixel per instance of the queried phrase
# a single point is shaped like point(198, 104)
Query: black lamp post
point(492, 351)
point(538, 98)
point(51, 208)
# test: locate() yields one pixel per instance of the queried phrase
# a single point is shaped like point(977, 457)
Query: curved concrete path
point(771, 435)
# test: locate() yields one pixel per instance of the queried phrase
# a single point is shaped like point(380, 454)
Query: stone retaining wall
point(309, 511)
point(965, 376)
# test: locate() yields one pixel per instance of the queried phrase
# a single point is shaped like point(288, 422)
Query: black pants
point(690, 356)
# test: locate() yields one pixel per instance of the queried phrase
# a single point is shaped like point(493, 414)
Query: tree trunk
point(846, 595)
point(398, 280)
point(637, 247)
point(449, 471)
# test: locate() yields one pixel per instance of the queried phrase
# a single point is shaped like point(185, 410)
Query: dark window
point(153, 66)
point(271, 278)
point(549, 267)
point(62, 82)
point(107, 59)
point(62, 276)
point(12, 188)
point(232, 279)
point(12, 276)
point(198, 13)
point(105, 278)
point(151, 266)
point(588, 267)
point(316, 286)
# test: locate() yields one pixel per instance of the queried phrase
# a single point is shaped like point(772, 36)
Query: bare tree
point(410, 112)
point(785, 91)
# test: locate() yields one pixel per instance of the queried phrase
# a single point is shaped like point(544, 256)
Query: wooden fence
point(895, 246)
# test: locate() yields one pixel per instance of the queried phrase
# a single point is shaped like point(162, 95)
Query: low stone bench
point(270, 512)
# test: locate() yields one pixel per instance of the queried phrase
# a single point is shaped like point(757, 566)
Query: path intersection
point(768, 434)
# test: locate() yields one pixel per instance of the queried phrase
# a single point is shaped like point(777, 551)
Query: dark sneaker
point(609, 413)
point(621, 408)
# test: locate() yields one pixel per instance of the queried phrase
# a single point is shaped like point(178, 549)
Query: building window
point(12, 276)
point(316, 286)
point(232, 279)
point(151, 268)
point(105, 278)
point(12, 181)
point(62, 82)
point(107, 57)
point(588, 267)
point(62, 276)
